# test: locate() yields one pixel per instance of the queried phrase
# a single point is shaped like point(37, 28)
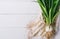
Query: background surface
point(15, 15)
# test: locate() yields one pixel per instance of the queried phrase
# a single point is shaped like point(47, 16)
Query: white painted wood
point(15, 20)
point(18, 0)
point(18, 7)
point(14, 16)
point(13, 33)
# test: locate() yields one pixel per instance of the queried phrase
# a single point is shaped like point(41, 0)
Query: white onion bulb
point(49, 28)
